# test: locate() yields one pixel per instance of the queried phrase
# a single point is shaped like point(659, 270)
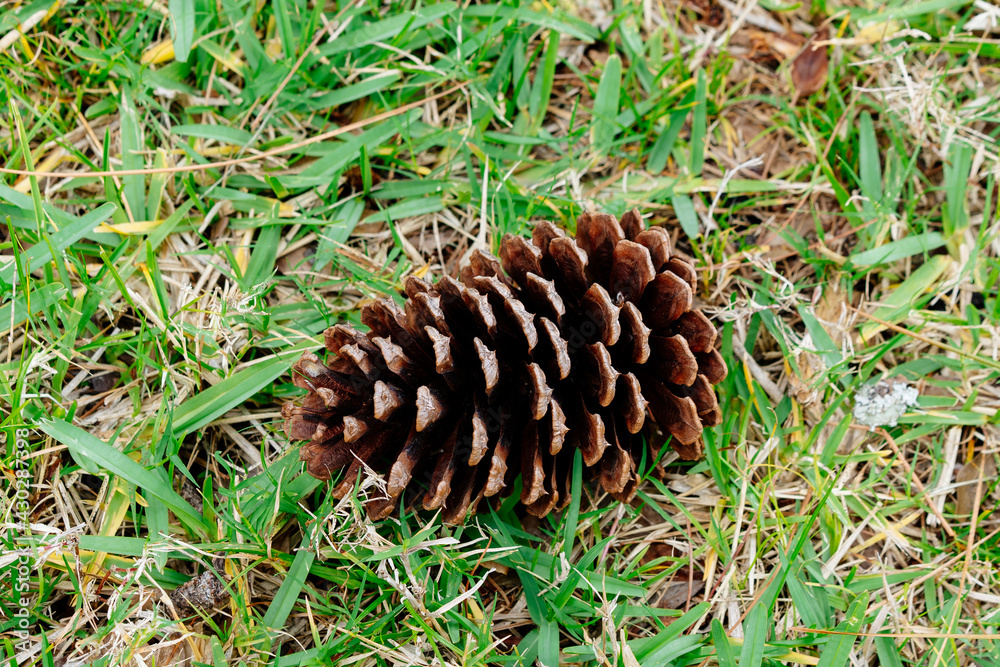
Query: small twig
point(900, 635)
point(709, 219)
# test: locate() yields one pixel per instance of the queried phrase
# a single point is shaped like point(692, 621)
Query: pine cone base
point(560, 344)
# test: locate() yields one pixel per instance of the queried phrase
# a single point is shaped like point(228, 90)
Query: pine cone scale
point(665, 299)
point(631, 271)
point(637, 334)
point(673, 360)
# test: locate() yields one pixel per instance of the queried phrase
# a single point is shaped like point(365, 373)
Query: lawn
point(193, 191)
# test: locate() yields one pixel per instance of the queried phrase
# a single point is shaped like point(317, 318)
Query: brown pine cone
point(558, 345)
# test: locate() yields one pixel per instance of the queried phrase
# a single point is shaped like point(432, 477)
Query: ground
point(829, 167)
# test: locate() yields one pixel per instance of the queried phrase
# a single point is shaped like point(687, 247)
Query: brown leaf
point(677, 596)
point(810, 67)
point(711, 12)
point(969, 474)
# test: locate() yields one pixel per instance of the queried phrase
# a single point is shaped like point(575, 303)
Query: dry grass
point(841, 238)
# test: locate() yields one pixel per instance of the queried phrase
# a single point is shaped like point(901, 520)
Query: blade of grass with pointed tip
point(541, 91)
point(183, 24)
point(388, 28)
point(896, 306)
point(112, 544)
point(134, 185)
point(242, 26)
point(723, 648)
point(699, 124)
point(609, 91)
point(288, 593)
point(407, 208)
point(647, 649)
point(916, 244)
point(838, 648)
point(757, 624)
point(870, 167)
point(210, 404)
point(220, 133)
point(262, 258)
point(810, 602)
point(40, 253)
point(156, 282)
point(684, 209)
point(118, 463)
point(355, 91)
point(956, 182)
point(45, 296)
point(25, 146)
point(158, 522)
point(284, 21)
point(656, 162)
point(573, 513)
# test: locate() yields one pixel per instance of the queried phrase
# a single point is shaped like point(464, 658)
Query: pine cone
point(558, 345)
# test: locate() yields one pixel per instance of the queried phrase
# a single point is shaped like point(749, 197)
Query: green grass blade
point(220, 133)
point(888, 653)
point(699, 125)
point(723, 648)
point(43, 297)
point(388, 28)
point(183, 24)
point(870, 168)
point(757, 624)
point(609, 90)
point(896, 306)
point(356, 91)
point(133, 186)
point(684, 209)
point(212, 403)
point(917, 244)
point(288, 593)
point(541, 91)
point(956, 180)
point(40, 253)
point(112, 460)
point(838, 648)
point(649, 649)
point(29, 165)
point(664, 144)
point(261, 264)
point(573, 513)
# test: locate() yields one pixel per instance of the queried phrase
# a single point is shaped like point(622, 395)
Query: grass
point(150, 320)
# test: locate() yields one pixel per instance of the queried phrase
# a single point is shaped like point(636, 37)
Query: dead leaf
point(969, 474)
point(810, 67)
point(299, 259)
point(678, 595)
point(711, 11)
